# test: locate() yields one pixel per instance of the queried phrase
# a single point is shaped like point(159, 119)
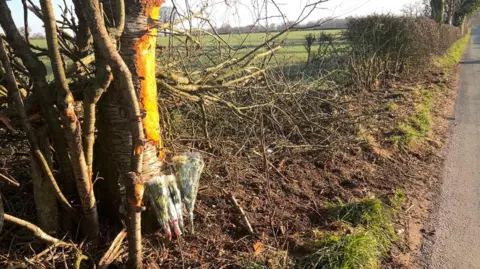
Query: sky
point(245, 12)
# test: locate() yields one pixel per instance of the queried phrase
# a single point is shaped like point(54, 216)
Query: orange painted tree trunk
point(113, 150)
point(138, 45)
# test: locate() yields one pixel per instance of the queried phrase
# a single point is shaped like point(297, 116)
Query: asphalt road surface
point(457, 224)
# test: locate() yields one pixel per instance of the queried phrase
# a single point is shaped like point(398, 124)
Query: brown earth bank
point(281, 186)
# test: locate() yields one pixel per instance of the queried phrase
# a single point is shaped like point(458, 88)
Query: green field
point(292, 42)
point(292, 52)
point(250, 39)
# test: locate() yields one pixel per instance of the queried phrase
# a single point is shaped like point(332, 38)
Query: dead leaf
point(258, 248)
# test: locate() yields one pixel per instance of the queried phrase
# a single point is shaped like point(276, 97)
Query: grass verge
point(454, 54)
point(417, 127)
point(366, 233)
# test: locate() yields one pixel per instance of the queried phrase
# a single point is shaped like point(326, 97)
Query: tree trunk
point(138, 51)
point(129, 154)
point(114, 142)
point(71, 123)
point(114, 139)
point(43, 191)
point(438, 10)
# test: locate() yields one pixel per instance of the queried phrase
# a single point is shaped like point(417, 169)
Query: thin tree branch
point(11, 181)
point(120, 17)
point(65, 104)
point(25, 20)
point(113, 251)
point(39, 233)
point(121, 73)
point(90, 99)
point(38, 74)
point(83, 33)
point(12, 84)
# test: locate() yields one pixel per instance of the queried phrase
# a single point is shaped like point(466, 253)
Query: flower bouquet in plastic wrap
point(168, 193)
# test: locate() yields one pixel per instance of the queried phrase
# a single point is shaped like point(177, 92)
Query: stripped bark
point(38, 74)
point(65, 104)
point(138, 50)
point(42, 162)
point(123, 77)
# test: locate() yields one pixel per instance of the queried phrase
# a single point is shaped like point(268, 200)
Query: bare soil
point(281, 182)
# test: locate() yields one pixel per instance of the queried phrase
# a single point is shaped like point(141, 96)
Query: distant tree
point(225, 29)
point(272, 27)
point(309, 41)
point(438, 10)
point(167, 14)
point(37, 36)
point(464, 10)
point(415, 9)
point(22, 31)
point(451, 7)
point(427, 9)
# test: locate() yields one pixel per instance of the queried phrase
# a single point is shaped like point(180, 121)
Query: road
point(457, 224)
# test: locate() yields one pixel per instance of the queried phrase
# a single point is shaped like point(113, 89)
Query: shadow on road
point(476, 36)
point(470, 62)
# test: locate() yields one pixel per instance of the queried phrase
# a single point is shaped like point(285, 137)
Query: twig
point(121, 18)
point(205, 123)
point(408, 209)
point(78, 261)
point(240, 209)
point(36, 257)
point(38, 75)
point(11, 181)
point(113, 251)
point(37, 232)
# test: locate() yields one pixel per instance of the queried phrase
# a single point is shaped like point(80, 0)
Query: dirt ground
point(282, 187)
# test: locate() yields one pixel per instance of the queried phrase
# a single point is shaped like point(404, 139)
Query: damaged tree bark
point(138, 51)
point(138, 90)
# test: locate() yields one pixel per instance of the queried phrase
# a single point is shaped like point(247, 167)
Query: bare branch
point(38, 74)
point(25, 20)
point(39, 233)
point(29, 130)
point(65, 103)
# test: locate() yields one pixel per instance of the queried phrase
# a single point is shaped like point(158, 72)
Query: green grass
point(249, 39)
point(39, 42)
point(391, 106)
point(365, 236)
point(359, 249)
point(454, 54)
point(370, 213)
point(417, 127)
point(292, 52)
